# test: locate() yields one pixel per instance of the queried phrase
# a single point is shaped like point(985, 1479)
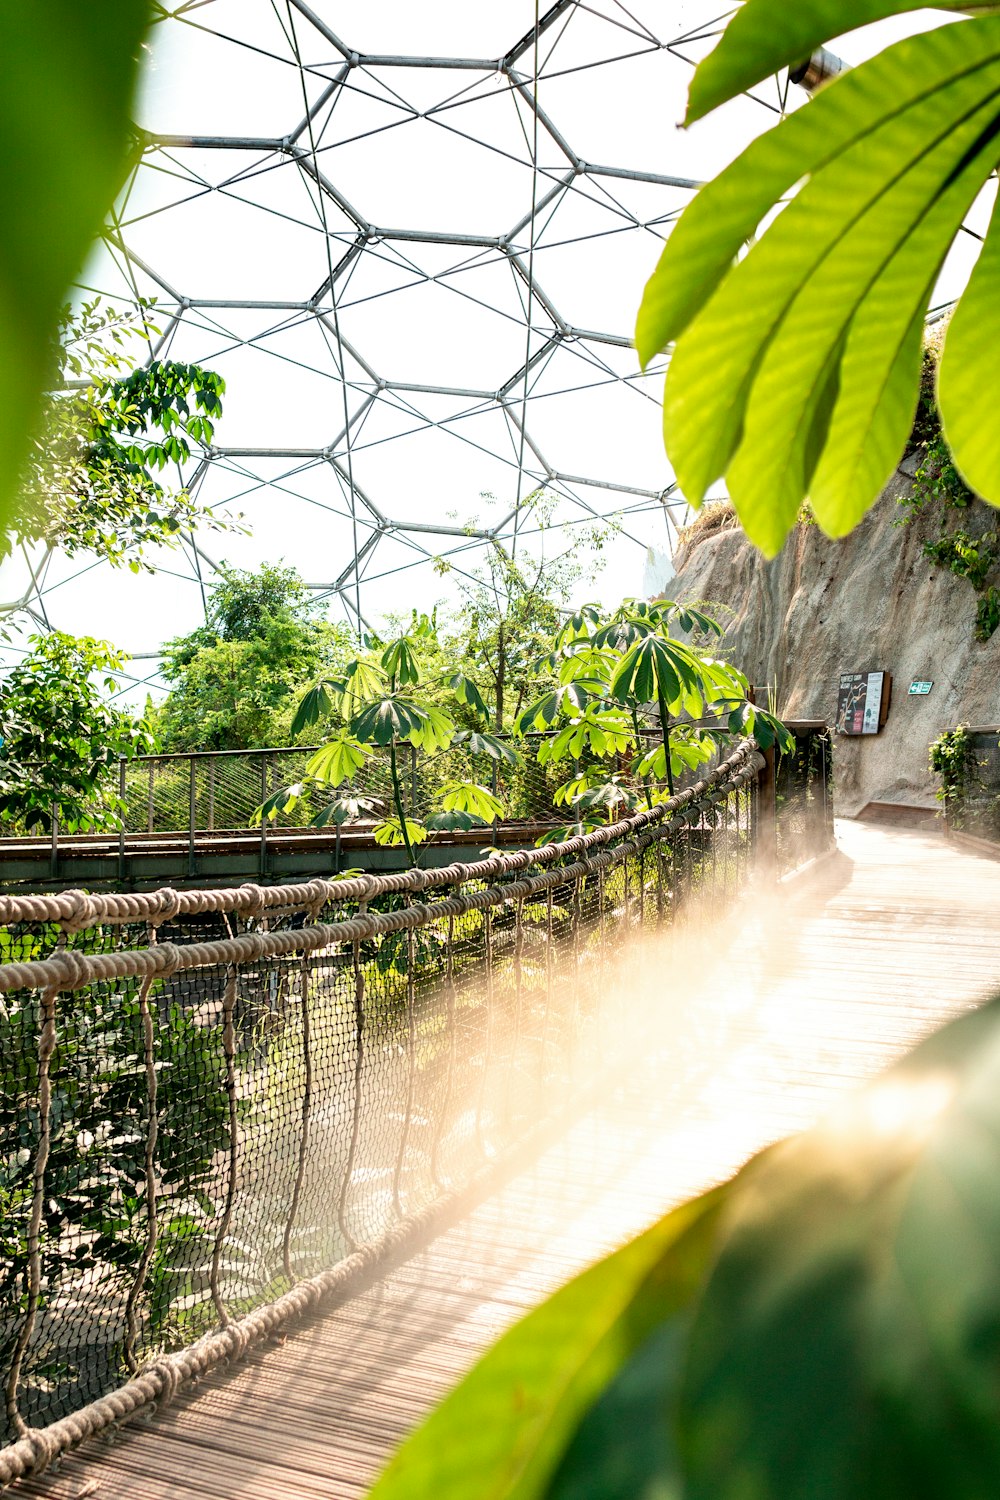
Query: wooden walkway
point(839, 975)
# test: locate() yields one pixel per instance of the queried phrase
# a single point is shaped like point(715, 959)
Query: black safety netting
point(204, 1138)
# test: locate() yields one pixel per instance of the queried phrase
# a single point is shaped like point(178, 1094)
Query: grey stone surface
point(870, 601)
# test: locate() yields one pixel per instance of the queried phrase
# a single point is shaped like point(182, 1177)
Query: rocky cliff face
point(870, 602)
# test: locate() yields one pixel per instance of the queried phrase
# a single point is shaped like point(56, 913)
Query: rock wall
point(869, 602)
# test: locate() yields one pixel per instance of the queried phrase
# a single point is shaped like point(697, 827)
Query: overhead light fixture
point(816, 70)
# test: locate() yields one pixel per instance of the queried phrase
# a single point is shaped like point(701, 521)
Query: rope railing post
point(515, 1047)
point(359, 1065)
point(33, 1267)
point(411, 1065)
point(305, 967)
point(229, 1052)
point(443, 1114)
point(490, 1027)
point(766, 832)
point(149, 1165)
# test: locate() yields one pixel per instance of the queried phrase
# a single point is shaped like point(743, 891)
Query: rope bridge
point(221, 1109)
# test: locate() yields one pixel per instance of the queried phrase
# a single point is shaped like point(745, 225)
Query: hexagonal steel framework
point(418, 273)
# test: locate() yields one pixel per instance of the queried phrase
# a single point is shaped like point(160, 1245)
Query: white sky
point(428, 149)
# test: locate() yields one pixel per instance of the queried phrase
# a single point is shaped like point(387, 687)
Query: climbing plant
point(938, 487)
point(953, 761)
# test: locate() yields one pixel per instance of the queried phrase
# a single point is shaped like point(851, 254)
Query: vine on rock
point(937, 482)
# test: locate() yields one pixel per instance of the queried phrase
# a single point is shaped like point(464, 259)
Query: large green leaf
point(68, 70)
point(315, 705)
point(624, 1448)
point(501, 1434)
point(846, 1345)
point(757, 376)
point(969, 372)
point(338, 761)
point(727, 212)
point(765, 35)
point(892, 255)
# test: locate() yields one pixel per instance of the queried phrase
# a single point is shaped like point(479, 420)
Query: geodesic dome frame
point(498, 251)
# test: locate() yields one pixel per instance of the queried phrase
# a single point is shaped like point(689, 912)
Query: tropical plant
point(610, 676)
point(70, 73)
point(234, 680)
point(382, 701)
point(796, 367)
point(109, 428)
point(62, 739)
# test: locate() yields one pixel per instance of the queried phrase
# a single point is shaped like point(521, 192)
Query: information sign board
point(862, 702)
point(919, 688)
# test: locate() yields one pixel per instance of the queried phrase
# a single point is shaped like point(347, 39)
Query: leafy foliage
point(953, 760)
point(70, 72)
point(386, 700)
point(91, 481)
point(95, 1209)
point(611, 674)
point(62, 739)
point(234, 679)
point(796, 367)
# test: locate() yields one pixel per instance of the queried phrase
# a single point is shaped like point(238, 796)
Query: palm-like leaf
point(479, 743)
point(796, 369)
point(466, 692)
point(470, 797)
point(338, 761)
point(316, 704)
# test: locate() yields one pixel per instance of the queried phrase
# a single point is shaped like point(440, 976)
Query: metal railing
point(219, 1108)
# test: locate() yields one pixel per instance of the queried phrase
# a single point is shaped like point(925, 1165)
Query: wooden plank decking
point(836, 977)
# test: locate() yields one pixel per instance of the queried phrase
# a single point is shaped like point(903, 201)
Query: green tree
point(110, 427)
point(62, 739)
point(512, 605)
point(235, 679)
point(796, 367)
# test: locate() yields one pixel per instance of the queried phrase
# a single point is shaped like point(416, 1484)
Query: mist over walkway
point(741, 1041)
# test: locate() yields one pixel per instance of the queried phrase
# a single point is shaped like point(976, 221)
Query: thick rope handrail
point(75, 910)
point(66, 970)
point(503, 879)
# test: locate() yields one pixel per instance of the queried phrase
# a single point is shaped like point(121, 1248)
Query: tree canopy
point(235, 679)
